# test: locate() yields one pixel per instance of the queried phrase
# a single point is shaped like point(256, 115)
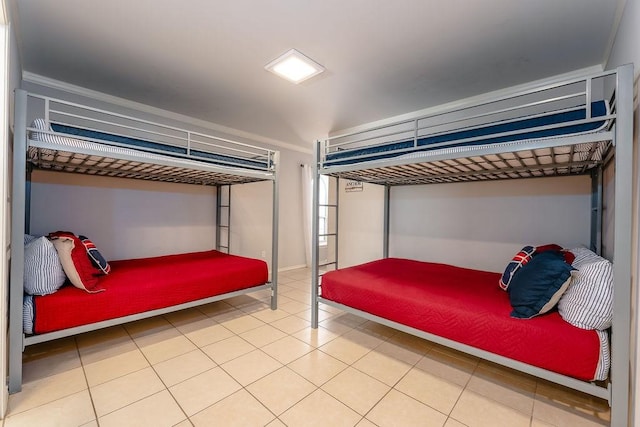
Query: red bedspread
point(139, 285)
point(465, 306)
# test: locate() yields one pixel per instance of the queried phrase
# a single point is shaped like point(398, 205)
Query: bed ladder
point(331, 227)
point(223, 217)
point(597, 208)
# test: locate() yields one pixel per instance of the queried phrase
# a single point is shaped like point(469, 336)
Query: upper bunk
point(70, 137)
point(565, 127)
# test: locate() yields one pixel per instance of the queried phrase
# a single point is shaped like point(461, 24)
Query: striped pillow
point(27, 314)
point(43, 272)
point(588, 303)
point(41, 124)
point(604, 361)
point(584, 256)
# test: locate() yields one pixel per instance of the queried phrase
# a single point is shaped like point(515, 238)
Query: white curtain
point(307, 203)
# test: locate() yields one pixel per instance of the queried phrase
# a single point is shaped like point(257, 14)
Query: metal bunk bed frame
point(156, 166)
point(491, 164)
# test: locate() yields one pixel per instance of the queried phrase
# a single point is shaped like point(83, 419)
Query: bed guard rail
point(483, 119)
point(162, 138)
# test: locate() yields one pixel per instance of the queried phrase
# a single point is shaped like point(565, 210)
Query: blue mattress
point(384, 151)
point(165, 148)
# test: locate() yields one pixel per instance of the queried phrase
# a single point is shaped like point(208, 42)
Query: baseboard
point(293, 267)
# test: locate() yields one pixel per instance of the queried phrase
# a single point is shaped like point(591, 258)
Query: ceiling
point(206, 58)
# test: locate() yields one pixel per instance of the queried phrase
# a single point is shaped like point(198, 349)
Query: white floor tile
point(158, 410)
point(202, 391)
point(46, 390)
point(123, 391)
point(237, 361)
point(72, 410)
point(240, 409)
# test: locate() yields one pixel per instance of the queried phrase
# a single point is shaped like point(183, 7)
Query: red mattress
point(466, 306)
point(139, 285)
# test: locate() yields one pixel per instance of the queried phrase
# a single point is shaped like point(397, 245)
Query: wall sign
point(353, 186)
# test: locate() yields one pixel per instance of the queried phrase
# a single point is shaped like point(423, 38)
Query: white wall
point(15, 69)
point(477, 225)
point(291, 237)
point(251, 215)
point(482, 225)
point(626, 49)
point(251, 203)
point(361, 224)
point(125, 218)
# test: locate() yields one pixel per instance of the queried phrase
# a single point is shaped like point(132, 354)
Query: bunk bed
point(563, 127)
point(57, 135)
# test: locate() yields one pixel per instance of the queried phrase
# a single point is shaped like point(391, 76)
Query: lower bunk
point(141, 288)
point(466, 310)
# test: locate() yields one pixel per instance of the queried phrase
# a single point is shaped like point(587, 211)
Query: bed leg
point(274, 234)
point(18, 225)
point(315, 237)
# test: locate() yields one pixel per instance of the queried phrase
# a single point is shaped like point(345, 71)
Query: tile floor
point(237, 362)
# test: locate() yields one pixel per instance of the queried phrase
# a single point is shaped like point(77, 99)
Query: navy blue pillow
point(539, 284)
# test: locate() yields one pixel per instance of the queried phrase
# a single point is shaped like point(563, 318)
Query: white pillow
point(43, 273)
point(39, 123)
point(588, 302)
point(584, 256)
point(27, 314)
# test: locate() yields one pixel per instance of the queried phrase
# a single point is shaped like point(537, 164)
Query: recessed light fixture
point(294, 66)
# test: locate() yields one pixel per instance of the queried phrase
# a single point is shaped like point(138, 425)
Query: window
point(323, 211)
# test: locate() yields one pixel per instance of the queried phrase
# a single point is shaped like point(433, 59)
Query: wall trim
point(122, 102)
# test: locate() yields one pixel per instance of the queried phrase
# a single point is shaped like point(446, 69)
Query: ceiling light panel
point(294, 66)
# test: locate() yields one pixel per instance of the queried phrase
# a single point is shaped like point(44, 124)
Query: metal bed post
point(27, 199)
point(18, 221)
point(385, 237)
point(620, 331)
point(596, 210)
point(274, 232)
point(315, 270)
point(336, 242)
point(218, 214)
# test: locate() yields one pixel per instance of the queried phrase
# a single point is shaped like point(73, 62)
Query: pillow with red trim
point(95, 256)
point(566, 254)
point(76, 263)
point(524, 256)
point(537, 288)
point(518, 261)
